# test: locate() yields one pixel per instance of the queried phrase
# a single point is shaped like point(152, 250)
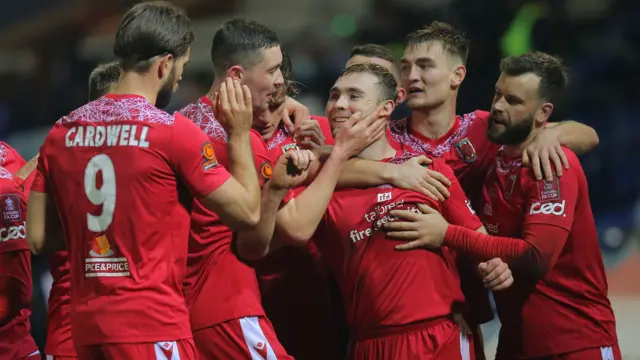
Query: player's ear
point(166, 65)
point(459, 73)
point(236, 72)
point(544, 113)
point(389, 105)
point(402, 96)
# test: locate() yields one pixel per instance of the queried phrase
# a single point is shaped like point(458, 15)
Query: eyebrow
point(427, 59)
point(347, 90)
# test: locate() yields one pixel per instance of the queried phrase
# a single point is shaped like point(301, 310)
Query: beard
point(166, 91)
point(513, 134)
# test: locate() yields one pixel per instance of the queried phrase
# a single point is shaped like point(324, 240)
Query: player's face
point(264, 78)
point(172, 80)
point(267, 122)
point(352, 93)
point(515, 109)
point(428, 74)
point(392, 68)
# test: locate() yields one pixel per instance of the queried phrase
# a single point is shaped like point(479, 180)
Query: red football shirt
point(59, 340)
point(384, 288)
point(295, 285)
point(15, 272)
point(470, 153)
point(122, 175)
point(568, 309)
point(219, 286)
point(10, 159)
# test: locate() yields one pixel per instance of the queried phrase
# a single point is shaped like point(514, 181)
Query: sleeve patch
point(549, 190)
point(266, 170)
point(208, 156)
point(10, 208)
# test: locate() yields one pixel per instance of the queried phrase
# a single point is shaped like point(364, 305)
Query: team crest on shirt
point(266, 170)
point(466, 151)
point(103, 262)
point(10, 208)
point(289, 147)
point(208, 156)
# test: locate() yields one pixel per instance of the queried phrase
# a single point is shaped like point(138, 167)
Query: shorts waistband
point(400, 329)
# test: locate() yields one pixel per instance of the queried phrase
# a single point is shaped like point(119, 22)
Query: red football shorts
point(245, 338)
point(601, 353)
point(164, 350)
point(33, 356)
point(441, 341)
point(53, 357)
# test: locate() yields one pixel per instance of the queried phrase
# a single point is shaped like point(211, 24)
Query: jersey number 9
point(105, 195)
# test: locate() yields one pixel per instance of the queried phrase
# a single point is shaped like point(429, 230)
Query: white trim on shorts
point(607, 353)
point(465, 353)
point(162, 346)
point(257, 343)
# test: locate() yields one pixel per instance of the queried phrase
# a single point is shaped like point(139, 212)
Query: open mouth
point(340, 119)
point(415, 90)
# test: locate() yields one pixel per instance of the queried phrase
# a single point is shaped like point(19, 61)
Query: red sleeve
point(15, 285)
point(326, 129)
point(194, 158)
point(553, 202)
point(10, 159)
point(293, 193)
point(39, 175)
point(457, 208)
point(13, 232)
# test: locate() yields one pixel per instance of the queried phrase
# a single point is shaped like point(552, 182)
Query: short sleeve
point(194, 159)
point(13, 207)
point(457, 208)
point(39, 177)
point(10, 159)
point(553, 202)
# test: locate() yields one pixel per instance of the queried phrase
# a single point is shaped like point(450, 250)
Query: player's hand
point(465, 329)
point(544, 150)
point(291, 169)
point(294, 108)
point(413, 175)
point(423, 230)
point(308, 134)
point(233, 107)
point(496, 274)
point(358, 132)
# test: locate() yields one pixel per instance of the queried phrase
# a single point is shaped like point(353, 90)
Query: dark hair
point(452, 40)
point(240, 42)
point(150, 29)
point(553, 75)
point(374, 51)
point(290, 86)
point(102, 78)
point(387, 83)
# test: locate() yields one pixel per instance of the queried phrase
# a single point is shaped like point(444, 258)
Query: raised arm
point(298, 219)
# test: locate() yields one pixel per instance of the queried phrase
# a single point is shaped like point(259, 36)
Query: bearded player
point(125, 218)
point(59, 346)
point(558, 307)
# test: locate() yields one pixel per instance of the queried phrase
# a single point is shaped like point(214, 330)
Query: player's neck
point(513, 151)
point(381, 149)
point(215, 87)
point(134, 83)
point(435, 122)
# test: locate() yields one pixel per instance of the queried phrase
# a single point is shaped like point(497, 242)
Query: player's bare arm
point(545, 152)
point(237, 201)
point(411, 175)
point(293, 108)
point(27, 169)
point(297, 221)
point(44, 233)
point(289, 172)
